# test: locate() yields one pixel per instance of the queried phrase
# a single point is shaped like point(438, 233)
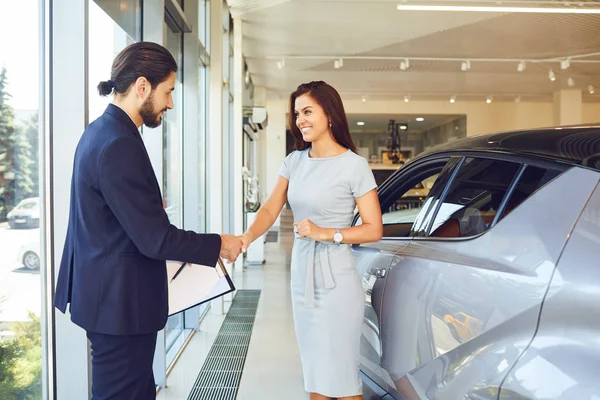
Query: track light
point(407, 98)
point(565, 64)
point(489, 99)
point(570, 82)
point(552, 75)
point(404, 64)
point(453, 99)
point(466, 65)
point(521, 67)
point(591, 89)
point(281, 64)
point(337, 64)
point(496, 9)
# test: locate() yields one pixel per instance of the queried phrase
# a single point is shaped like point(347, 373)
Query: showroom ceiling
point(371, 49)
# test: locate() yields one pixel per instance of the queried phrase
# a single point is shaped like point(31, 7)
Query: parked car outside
point(26, 214)
point(29, 255)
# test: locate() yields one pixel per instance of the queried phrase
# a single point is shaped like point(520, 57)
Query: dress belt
point(309, 291)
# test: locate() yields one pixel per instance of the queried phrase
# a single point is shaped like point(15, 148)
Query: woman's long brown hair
point(331, 102)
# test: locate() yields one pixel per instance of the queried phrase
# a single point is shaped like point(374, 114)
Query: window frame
point(390, 187)
point(523, 161)
point(389, 190)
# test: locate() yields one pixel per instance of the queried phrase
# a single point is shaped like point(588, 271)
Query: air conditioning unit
point(256, 118)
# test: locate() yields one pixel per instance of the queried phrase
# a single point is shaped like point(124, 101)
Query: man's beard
point(151, 118)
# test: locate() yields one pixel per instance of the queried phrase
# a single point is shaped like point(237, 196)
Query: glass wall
point(107, 39)
point(172, 163)
point(86, 37)
point(21, 263)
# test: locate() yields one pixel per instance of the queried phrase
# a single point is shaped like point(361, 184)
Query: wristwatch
point(337, 236)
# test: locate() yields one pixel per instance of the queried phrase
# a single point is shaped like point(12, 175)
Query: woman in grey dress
point(324, 180)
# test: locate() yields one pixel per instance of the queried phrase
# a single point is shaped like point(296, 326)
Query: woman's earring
point(330, 124)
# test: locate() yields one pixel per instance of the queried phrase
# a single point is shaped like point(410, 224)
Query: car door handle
point(378, 272)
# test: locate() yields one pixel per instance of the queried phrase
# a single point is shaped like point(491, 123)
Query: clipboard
point(190, 285)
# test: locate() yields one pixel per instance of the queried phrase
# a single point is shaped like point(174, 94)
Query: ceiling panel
point(297, 30)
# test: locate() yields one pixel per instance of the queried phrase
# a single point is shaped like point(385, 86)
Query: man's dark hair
point(147, 59)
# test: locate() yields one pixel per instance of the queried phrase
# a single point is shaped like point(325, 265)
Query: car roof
point(570, 144)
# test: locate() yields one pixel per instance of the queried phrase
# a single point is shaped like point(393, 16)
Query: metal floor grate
point(220, 376)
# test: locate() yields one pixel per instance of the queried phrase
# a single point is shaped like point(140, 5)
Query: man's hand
point(231, 247)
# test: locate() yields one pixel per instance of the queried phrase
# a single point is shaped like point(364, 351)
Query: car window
point(403, 209)
point(28, 206)
point(473, 199)
point(436, 189)
point(407, 206)
point(407, 196)
point(531, 180)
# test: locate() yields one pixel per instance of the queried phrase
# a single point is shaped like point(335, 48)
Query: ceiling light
point(405, 64)
point(281, 64)
point(521, 66)
point(403, 127)
point(591, 89)
point(406, 99)
point(364, 99)
point(552, 75)
point(489, 99)
point(360, 123)
point(553, 10)
point(453, 99)
point(420, 119)
point(565, 64)
point(337, 64)
point(570, 82)
point(518, 99)
point(466, 65)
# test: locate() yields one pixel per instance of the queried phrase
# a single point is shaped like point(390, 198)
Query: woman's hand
point(246, 241)
point(306, 228)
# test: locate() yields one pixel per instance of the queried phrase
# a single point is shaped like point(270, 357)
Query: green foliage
point(21, 362)
point(16, 159)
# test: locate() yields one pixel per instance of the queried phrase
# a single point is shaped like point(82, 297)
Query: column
point(69, 117)
point(275, 140)
point(214, 135)
point(567, 107)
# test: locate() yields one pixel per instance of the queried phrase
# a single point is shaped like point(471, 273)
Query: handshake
point(232, 246)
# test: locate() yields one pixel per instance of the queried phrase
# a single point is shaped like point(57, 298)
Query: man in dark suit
point(113, 270)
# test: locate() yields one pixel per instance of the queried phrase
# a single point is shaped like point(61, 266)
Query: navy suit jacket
point(113, 269)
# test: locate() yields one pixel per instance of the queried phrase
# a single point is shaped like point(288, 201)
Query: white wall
point(591, 113)
point(481, 117)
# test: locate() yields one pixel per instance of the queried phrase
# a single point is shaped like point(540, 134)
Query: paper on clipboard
point(196, 284)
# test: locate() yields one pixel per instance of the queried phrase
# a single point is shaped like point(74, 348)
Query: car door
point(463, 300)
point(402, 198)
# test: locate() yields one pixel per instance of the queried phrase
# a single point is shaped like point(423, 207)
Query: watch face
point(337, 237)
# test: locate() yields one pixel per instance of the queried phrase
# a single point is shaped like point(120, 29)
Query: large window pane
point(126, 13)
point(202, 123)
point(106, 40)
point(20, 236)
point(172, 164)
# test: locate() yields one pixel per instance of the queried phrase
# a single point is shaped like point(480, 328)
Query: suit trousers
point(122, 366)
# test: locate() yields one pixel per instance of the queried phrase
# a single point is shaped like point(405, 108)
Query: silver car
point(488, 288)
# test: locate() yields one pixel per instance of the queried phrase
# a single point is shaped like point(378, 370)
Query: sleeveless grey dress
point(327, 293)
